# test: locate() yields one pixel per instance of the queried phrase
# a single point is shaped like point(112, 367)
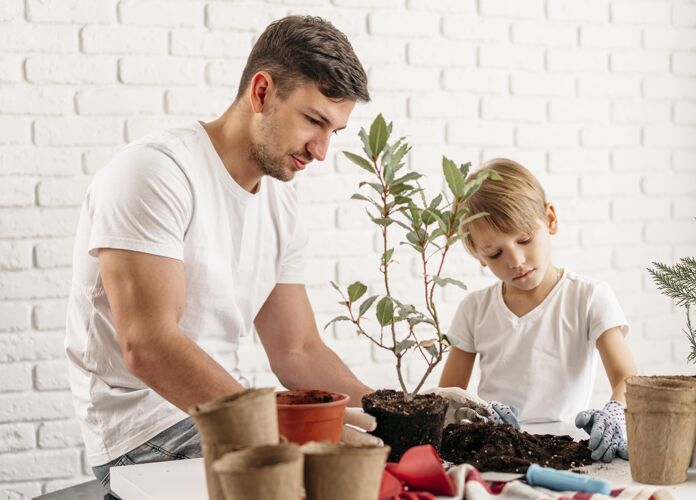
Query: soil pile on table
point(502, 448)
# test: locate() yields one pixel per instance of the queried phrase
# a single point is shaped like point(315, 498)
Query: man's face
point(521, 261)
point(296, 130)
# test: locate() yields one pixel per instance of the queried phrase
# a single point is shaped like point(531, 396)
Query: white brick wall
point(598, 97)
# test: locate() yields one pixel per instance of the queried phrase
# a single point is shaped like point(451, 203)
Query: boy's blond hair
point(513, 204)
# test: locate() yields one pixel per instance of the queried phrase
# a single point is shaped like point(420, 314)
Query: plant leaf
point(386, 256)
point(355, 291)
point(453, 176)
point(366, 304)
point(465, 167)
point(366, 142)
point(385, 311)
point(403, 345)
point(435, 202)
point(448, 281)
point(432, 350)
point(495, 175)
point(379, 133)
point(337, 318)
point(360, 161)
point(382, 221)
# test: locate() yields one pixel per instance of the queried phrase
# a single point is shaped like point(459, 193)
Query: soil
point(307, 397)
point(502, 448)
point(401, 424)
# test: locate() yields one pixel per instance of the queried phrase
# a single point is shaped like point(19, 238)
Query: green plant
point(679, 283)
point(431, 228)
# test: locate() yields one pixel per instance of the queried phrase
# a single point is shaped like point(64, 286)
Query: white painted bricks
point(596, 96)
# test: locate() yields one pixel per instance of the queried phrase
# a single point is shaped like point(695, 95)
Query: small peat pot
point(661, 427)
point(403, 424)
point(272, 472)
point(245, 418)
point(311, 415)
point(343, 472)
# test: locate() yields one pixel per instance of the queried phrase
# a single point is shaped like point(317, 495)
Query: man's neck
point(230, 137)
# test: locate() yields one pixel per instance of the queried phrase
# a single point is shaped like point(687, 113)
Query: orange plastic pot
point(311, 415)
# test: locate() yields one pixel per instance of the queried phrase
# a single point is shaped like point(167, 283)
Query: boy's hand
point(464, 405)
point(607, 430)
point(500, 413)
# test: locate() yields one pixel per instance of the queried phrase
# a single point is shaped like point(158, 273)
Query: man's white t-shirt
point(169, 194)
point(543, 362)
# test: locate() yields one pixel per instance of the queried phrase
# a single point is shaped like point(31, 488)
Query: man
point(189, 238)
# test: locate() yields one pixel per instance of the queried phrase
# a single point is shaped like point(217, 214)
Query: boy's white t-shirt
point(169, 194)
point(543, 362)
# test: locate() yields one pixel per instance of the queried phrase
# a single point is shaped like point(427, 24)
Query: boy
point(537, 328)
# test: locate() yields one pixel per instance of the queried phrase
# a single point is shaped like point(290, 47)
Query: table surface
point(185, 479)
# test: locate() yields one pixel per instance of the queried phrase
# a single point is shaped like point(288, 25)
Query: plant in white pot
point(429, 227)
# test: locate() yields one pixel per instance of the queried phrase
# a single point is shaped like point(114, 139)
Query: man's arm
point(146, 295)
point(298, 356)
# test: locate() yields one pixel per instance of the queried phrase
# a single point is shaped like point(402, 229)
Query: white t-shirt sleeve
point(460, 331)
point(604, 312)
point(292, 268)
point(141, 201)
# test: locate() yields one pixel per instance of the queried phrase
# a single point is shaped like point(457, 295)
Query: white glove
point(465, 406)
point(356, 426)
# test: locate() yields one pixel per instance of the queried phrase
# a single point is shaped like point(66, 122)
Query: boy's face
point(296, 130)
point(522, 261)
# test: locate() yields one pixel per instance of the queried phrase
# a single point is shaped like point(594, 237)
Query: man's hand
point(464, 405)
point(607, 430)
point(356, 426)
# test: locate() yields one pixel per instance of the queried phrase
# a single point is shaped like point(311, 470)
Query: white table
point(185, 479)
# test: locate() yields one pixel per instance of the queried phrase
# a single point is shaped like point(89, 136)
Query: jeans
point(180, 441)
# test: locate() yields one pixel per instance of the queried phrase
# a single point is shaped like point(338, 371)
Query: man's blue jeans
point(178, 442)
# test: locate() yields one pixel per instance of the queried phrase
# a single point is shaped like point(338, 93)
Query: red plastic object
point(311, 415)
point(421, 469)
point(391, 487)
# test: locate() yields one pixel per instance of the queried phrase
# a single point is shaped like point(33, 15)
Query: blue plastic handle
point(561, 480)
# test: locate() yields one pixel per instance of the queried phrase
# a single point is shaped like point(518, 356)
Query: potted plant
point(429, 227)
point(661, 410)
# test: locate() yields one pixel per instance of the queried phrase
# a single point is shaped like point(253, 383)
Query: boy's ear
point(551, 218)
point(483, 264)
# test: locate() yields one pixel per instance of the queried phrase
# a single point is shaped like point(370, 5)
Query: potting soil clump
point(403, 424)
point(502, 448)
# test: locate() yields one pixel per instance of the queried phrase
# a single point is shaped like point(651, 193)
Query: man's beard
point(269, 164)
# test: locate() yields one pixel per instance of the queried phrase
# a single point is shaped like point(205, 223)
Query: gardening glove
point(607, 430)
point(356, 426)
point(466, 406)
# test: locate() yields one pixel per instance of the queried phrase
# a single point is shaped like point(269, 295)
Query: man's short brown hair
point(514, 204)
point(302, 49)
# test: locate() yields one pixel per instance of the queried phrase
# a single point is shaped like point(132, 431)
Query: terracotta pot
point(661, 427)
point(310, 415)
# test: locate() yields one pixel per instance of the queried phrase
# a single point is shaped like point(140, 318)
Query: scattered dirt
point(402, 424)
point(502, 448)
